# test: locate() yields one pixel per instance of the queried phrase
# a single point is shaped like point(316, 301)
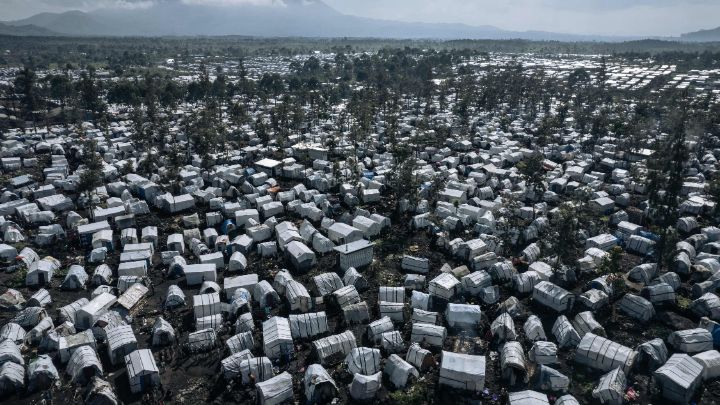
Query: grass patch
point(417, 394)
point(683, 302)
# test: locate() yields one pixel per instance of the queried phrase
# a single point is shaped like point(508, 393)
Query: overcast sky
point(608, 17)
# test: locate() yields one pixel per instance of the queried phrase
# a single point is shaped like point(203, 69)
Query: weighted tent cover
point(231, 365)
point(603, 354)
point(611, 388)
point(363, 360)
point(528, 397)
point(319, 385)
point(275, 390)
point(679, 378)
point(334, 347)
point(399, 371)
point(364, 387)
point(691, 340)
point(462, 371)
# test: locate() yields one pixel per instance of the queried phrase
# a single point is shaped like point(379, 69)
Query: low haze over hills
point(308, 18)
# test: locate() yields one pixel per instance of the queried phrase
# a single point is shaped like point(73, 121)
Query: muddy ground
point(195, 378)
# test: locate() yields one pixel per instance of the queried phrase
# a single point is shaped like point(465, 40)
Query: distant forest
point(119, 53)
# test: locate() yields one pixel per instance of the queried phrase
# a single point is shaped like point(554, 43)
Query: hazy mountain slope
point(26, 30)
point(702, 35)
point(308, 18)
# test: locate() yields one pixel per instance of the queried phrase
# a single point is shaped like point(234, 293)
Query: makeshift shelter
point(10, 352)
point(611, 388)
point(298, 296)
point(365, 387)
point(42, 373)
point(356, 313)
point(565, 333)
point(257, 369)
point(363, 360)
point(463, 316)
point(553, 296)
point(334, 348)
point(319, 386)
point(308, 325)
point(277, 338)
point(533, 329)
point(163, 333)
point(301, 256)
point(121, 341)
point(603, 354)
point(202, 341)
point(240, 342)
point(421, 358)
point(679, 378)
point(230, 366)
point(175, 297)
point(652, 354)
point(462, 371)
point(275, 390)
point(710, 362)
point(691, 340)
point(83, 365)
point(636, 307)
point(399, 371)
point(12, 378)
point(353, 278)
point(100, 392)
point(503, 328)
point(527, 397)
point(142, 371)
point(432, 335)
point(543, 352)
point(326, 283)
point(513, 363)
point(444, 286)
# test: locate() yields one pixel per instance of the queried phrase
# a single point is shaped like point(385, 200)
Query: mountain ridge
point(293, 18)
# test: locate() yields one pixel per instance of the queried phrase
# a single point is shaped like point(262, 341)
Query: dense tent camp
point(242, 219)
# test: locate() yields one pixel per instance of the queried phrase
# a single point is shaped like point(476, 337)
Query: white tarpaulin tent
point(463, 371)
point(275, 390)
point(603, 354)
point(679, 378)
